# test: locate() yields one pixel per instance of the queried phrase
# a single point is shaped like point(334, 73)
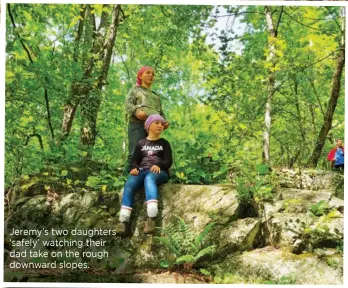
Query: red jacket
point(332, 153)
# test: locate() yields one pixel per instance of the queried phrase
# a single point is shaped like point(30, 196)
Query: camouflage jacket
point(144, 99)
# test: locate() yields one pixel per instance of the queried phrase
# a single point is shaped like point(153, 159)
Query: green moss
point(13, 276)
point(333, 262)
point(249, 277)
point(291, 205)
point(199, 191)
point(32, 181)
point(295, 257)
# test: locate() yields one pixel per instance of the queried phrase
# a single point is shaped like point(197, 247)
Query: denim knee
point(133, 183)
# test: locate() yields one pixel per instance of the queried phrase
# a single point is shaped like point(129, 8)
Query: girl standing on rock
point(149, 168)
point(141, 102)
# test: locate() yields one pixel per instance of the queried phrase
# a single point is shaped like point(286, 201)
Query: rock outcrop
point(280, 238)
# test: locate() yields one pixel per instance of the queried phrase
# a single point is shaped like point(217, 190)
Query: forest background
point(272, 95)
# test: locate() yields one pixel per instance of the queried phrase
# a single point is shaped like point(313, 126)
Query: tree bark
point(335, 92)
point(87, 92)
point(103, 48)
point(271, 81)
point(49, 114)
point(298, 111)
point(78, 88)
point(79, 32)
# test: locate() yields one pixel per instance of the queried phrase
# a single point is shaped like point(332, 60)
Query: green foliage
point(164, 263)
point(237, 278)
point(284, 280)
point(291, 204)
point(334, 263)
point(105, 181)
point(114, 263)
point(213, 95)
point(186, 248)
point(321, 230)
point(254, 183)
point(199, 154)
point(204, 272)
point(323, 210)
point(245, 190)
point(339, 247)
point(228, 278)
point(320, 208)
point(262, 169)
point(298, 107)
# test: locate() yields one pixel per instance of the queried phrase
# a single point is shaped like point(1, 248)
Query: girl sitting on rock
point(149, 168)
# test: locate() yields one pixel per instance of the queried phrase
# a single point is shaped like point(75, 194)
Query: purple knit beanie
point(152, 118)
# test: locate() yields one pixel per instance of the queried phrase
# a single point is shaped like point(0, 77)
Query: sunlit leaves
point(214, 100)
point(306, 36)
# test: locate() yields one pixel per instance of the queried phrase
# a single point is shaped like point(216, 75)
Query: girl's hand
point(141, 115)
point(155, 169)
point(134, 171)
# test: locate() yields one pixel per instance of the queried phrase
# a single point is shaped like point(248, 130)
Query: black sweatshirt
point(148, 153)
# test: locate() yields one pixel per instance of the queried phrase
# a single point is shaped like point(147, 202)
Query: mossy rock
point(274, 264)
point(61, 178)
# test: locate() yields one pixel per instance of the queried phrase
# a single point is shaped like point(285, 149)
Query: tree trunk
point(271, 81)
point(87, 92)
point(335, 92)
point(89, 113)
point(293, 158)
point(298, 111)
point(77, 88)
point(103, 48)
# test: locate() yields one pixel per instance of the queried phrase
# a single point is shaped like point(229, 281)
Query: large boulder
point(298, 232)
point(312, 180)
point(284, 223)
point(285, 229)
point(197, 205)
point(162, 279)
point(328, 180)
point(326, 231)
point(293, 200)
point(218, 199)
point(290, 220)
point(236, 236)
point(276, 265)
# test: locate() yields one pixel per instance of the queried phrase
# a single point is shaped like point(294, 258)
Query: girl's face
point(156, 127)
point(148, 77)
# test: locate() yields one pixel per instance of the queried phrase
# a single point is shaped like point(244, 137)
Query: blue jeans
point(149, 179)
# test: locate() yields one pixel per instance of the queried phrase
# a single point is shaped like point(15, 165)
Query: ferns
point(185, 259)
point(169, 245)
point(207, 250)
point(180, 240)
point(201, 236)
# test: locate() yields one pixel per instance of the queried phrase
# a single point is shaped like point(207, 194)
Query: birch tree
point(272, 35)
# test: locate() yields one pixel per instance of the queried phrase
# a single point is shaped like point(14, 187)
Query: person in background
point(336, 156)
point(149, 168)
point(141, 102)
